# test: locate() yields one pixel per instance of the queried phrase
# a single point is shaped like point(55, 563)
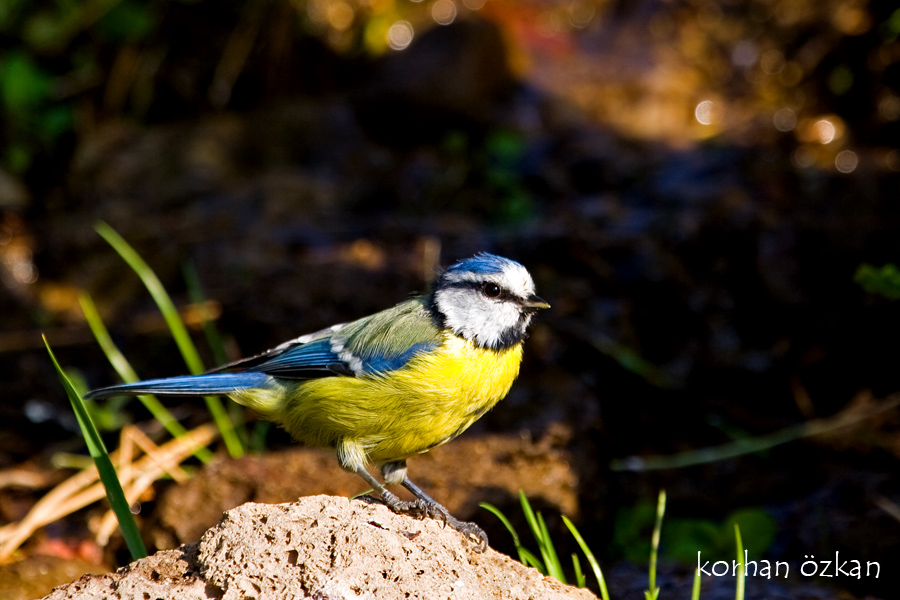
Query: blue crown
point(484, 264)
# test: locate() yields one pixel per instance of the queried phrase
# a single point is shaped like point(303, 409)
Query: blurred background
point(707, 192)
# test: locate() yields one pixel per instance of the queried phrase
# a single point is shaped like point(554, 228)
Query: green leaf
point(129, 21)
point(107, 472)
point(23, 85)
point(891, 27)
point(884, 281)
point(757, 524)
point(631, 531)
point(55, 121)
point(684, 537)
point(47, 31)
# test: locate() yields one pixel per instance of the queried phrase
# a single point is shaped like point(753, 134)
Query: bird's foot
point(422, 508)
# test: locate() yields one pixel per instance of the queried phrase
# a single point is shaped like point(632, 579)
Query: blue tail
point(187, 385)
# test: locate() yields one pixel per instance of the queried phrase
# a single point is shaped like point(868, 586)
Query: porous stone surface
point(326, 548)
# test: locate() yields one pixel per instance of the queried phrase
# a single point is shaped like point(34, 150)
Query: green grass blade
point(529, 516)
point(595, 566)
point(652, 592)
point(535, 527)
point(695, 590)
point(105, 468)
point(530, 559)
point(579, 574)
point(741, 580)
point(554, 566)
point(128, 375)
point(176, 326)
point(515, 536)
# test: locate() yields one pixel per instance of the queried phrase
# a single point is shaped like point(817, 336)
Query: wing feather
point(375, 344)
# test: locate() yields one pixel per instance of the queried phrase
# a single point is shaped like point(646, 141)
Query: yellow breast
point(392, 416)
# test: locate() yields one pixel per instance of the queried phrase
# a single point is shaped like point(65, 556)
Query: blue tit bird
point(391, 385)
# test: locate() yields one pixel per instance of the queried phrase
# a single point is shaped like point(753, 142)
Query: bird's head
point(487, 299)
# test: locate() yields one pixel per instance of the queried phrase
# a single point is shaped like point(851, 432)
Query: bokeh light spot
point(892, 160)
point(791, 74)
point(846, 161)
point(744, 54)
point(18, 261)
point(400, 35)
point(824, 131)
point(785, 119)
point(474, 4)
point(339, 15)
point(803, 157)
point(772, 62)
point(581, 13)
point(851, 20)
point(443, 12)
point(708, 112)
point(889, 108)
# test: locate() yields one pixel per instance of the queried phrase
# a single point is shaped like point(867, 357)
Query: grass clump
point(547, 560)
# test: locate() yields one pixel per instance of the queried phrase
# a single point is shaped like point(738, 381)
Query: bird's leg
point(394, 503)
point(425, 505)
point(352, 458)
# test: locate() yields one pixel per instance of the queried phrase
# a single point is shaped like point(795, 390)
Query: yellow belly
point(384, 418)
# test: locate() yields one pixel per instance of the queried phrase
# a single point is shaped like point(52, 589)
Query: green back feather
point(391, 332)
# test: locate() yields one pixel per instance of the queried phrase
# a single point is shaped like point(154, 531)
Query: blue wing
point(303, 360)
point(379, 343)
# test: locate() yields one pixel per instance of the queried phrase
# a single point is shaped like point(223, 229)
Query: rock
point(322, 547)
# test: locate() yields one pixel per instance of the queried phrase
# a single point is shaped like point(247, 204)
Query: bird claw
point(474, 534)
point(420, 509)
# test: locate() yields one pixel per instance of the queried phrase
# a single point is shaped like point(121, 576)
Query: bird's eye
point(491, 290)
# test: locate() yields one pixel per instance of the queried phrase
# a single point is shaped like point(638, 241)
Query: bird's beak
point(534, 303)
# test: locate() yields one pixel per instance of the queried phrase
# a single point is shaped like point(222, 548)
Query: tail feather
point(187, 385)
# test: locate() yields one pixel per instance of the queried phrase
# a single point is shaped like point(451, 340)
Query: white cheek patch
point(470, 315)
